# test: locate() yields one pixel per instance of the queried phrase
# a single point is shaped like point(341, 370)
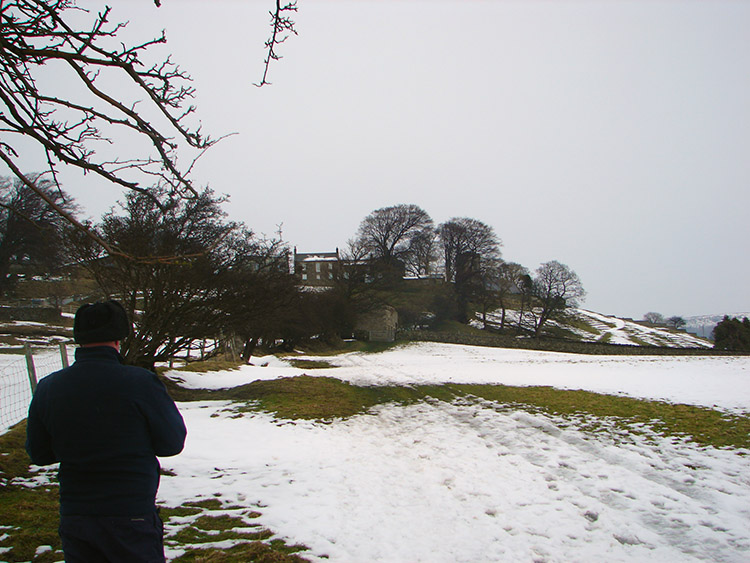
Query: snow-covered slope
point(589, 326)
point(622, 331)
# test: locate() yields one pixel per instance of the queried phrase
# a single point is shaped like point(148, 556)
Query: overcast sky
point(612, 136)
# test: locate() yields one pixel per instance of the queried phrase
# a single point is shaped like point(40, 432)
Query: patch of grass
point(14, 461)
point(191, 535)
point(581, 324)
point(561, 332)
point(213, 364)
point(178, 512)
point(325, 398)
point(604, 338)
point(310, 364)
point(222, 522)
point(259, 552)
point(32, 514)
point(250, 542)
point(636, 340)
point(209, 503)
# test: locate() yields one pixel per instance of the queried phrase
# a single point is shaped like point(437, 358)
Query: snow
point(712, 381)
point(261, 368)
point(475, 481)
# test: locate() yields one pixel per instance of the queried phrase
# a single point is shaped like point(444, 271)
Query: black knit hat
point(100, 322)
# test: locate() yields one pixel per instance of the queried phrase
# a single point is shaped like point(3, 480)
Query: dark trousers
point(112, 539)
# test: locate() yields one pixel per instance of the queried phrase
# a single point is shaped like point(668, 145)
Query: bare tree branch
point(117, 94)
point(67, 127)
point(282, 26)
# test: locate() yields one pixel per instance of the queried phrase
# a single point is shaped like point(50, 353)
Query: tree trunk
point(249, 348)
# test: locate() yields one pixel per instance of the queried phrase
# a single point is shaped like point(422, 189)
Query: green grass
point(310, 364)
point(638, 341)
point(14, 461)
point(605, 338)
point(561, 332)
point(261, 552)
point(31, 513)
point(214, 523)
point(579, 323)
point(213, 364)
point(327, 398)
point(324, 398)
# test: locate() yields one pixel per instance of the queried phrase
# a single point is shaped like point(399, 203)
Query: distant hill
point(588, 326)
point(704, 325)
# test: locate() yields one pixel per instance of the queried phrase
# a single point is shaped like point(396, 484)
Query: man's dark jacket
point(105, 423)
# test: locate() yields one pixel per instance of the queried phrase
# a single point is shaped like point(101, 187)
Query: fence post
point(30, 368)
point(64, 354)
point(231, 347)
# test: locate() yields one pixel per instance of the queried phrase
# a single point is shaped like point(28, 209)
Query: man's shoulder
point(52, 377)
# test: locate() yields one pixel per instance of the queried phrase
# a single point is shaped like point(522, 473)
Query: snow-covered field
point(473, 481)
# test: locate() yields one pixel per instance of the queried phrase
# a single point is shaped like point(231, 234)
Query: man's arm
point(167, 427)
point(38, 439)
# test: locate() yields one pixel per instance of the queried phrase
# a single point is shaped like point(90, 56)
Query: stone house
point(317, 269)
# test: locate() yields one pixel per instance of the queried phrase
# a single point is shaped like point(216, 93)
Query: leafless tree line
point(466, 253)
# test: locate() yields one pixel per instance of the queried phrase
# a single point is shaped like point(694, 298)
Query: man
point(105, 423)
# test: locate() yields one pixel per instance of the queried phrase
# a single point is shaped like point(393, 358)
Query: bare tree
point(675, 322)
point(423, 253)
point(465, 239)
point(556, 287)
point(110, 92)
point(215, 284)
point(485, 287)
point(526, 294)
point(30, 230)
point(511, 278)
point(388, 233)
point(654, 318)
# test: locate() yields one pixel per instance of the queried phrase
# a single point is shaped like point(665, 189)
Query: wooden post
point(64, 355)
point(30, 368)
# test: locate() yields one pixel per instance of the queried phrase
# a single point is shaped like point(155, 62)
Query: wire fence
point(18, 377)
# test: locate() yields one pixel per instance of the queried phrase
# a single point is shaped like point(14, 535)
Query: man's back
point(105, 423)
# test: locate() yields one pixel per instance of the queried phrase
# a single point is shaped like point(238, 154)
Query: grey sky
point(613, 136)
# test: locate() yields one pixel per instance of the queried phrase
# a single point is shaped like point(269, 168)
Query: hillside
point(588, 326)
point(578, 324)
